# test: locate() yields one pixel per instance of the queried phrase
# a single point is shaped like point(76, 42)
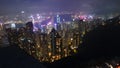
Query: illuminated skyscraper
point(30, 37)
point(55, 42)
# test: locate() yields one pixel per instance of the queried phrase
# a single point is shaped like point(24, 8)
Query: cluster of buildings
point(51, 38)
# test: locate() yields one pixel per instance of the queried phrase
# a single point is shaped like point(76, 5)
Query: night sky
point(92, 6)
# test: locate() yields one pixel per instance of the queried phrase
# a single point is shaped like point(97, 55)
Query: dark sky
point(97, 6)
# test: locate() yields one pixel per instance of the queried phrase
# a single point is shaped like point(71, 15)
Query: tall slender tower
point(55, 41)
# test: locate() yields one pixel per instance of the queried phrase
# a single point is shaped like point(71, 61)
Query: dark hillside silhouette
point(14, 57)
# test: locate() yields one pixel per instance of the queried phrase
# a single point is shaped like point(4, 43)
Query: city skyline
point(36, 6)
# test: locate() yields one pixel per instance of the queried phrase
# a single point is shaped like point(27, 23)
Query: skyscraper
point(55, 42)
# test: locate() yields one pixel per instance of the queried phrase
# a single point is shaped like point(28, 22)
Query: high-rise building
point(29, 26)
point(55, 42)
